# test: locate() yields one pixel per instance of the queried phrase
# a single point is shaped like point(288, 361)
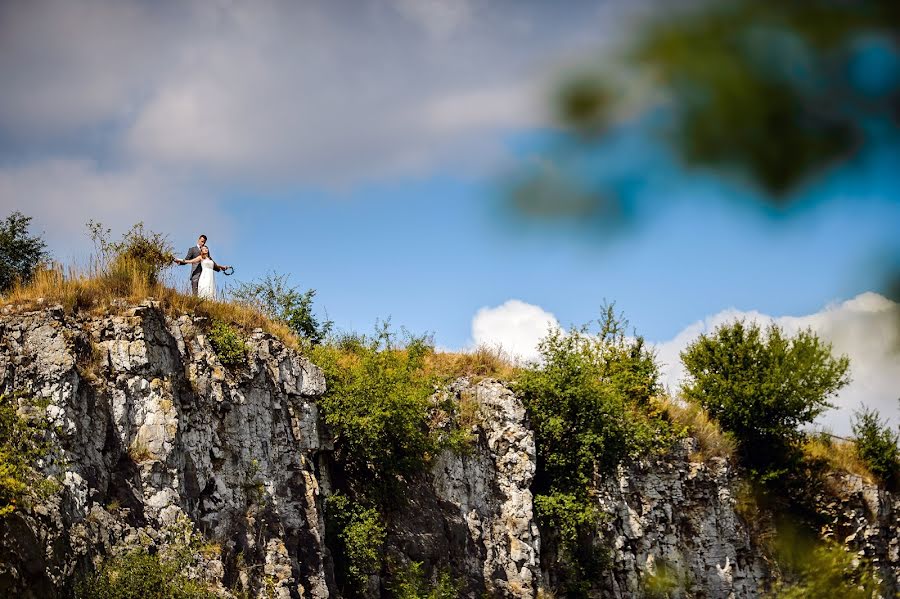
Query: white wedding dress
point(206, 288)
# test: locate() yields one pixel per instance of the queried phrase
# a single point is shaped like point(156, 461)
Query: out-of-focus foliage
point(20, 253)
point(821, 569)
point(773, 91)
point(770, 94)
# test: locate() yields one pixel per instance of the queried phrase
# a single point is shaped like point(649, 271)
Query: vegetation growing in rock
point(821, 569)
point(140, 575)
point(877, 445)
point(411, 582)
point(762, 386)
point(376, 402)
point(276, 298)
point(360, 535)
point(589, 403)
point(20, 253)
point(227, 343)
point(138, 253)
point(24, 445)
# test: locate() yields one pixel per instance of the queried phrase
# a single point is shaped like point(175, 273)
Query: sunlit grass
point(713, 442)
point(479, 363)
point(839, 454)
point(99, 292)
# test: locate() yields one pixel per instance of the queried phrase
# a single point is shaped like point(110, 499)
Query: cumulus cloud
point(515, 326)
point(864, 328)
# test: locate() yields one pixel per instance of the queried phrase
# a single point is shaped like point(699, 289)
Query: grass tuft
point(712, 440)
point(482, 362)
point(839, 454)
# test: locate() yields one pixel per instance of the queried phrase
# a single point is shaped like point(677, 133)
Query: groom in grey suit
point(192, 253)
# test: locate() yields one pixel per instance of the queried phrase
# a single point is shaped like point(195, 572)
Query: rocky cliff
point(158, 440)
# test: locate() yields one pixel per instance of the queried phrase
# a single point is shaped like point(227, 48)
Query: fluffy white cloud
point(515, 326)
point(865, 328)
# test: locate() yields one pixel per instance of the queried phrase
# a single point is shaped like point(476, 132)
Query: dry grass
point(839, 454)
point(482, 362)
point(99, 293)
point(712, 440)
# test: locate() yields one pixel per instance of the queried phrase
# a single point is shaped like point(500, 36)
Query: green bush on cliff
point(877, 446)
point(376, 403)
point(24, 442)
point(360, 533)
point(588, 399)
point(275, 297)
point(227, 343)
point(412, 583)
point(140, 253)
point(141, 575)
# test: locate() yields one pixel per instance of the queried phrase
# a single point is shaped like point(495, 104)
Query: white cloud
point(865, 328)
point(515, 326)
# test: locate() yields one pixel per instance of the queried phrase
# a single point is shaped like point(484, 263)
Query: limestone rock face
point(152, 429)
point(156, 437)
point(866, 519)
point(678, 515)
point(489, 489)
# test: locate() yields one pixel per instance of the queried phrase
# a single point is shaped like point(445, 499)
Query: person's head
point(201, 241)
point(204, 251)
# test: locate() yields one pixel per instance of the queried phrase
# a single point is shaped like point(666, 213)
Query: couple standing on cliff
point(203, 277)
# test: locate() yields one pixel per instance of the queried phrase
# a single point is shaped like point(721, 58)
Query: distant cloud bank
point(865, 328)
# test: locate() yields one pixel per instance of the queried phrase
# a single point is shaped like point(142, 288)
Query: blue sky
point(366, 148)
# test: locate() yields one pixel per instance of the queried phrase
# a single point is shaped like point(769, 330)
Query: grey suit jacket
point(191, 254)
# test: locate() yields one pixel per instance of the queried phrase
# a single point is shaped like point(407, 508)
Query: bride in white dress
point(206, 287)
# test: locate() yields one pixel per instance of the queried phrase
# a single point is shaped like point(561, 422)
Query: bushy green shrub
point(762, 387)
point(412, 583)
point(280, 301)
point(376, 403)
point(588, 399)
point(227, 343)
point(877, 446)
point(360, 533)
point(24, 442)
point(20, 253)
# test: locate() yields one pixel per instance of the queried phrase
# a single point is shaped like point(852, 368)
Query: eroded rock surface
point(153, 428)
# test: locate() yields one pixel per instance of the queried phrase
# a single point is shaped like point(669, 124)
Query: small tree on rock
point(763, 386)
